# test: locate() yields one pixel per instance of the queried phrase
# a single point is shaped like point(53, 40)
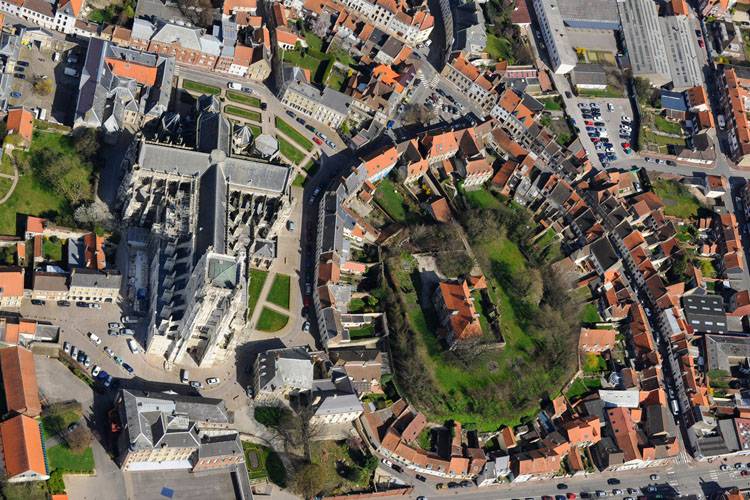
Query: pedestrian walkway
point(14, 182)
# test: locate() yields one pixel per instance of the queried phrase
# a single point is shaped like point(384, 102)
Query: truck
point(70, 71)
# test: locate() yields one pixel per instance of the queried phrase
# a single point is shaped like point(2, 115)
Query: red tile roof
point(11, 281)
point(22, 446)
point(463, 315)
point(20, 122)
point(19, 381)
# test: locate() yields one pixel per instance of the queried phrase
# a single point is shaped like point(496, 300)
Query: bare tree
point(78, 439)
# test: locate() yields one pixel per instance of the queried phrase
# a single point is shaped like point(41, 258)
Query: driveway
point(57, 384)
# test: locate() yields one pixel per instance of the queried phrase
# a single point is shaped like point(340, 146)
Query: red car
point(571, 496)
point(317, 141)
point(625, 145)
point(589, 123)
point(594, 140)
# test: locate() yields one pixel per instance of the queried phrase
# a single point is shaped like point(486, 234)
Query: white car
point(95, 338)
point(95, 370)
point(109, 351)
point(213, 381)
point(113, 325)
point(133, 346)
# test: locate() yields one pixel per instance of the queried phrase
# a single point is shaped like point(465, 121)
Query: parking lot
point(607, 124)
point(76, 323)
point(35, 63)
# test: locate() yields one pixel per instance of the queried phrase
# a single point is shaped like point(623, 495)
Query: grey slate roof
point(103, 96)
point(155, 419)
point(245, 174)
point(90, 278)
point(285, 368)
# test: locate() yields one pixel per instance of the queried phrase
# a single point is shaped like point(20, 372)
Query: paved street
point(696, 478)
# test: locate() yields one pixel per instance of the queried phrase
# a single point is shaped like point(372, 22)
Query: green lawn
point(263, 463)
point(311, 167)
point(32, 198)
point(279, 292)
point(661, 141)
point(5, 166)
point(52, 250)
point(243, 98)
point(553, 104)
point(299, 181)
point(499, 48)
point(5, 185)
point(481, 198)
point(271, 321)
point(293, 134)
point(56, 422)
point(290, 152)
point(201, 88)
point(666, 126)
point(608, 92)
point(677, 199)
point(242, 112)
point(254, 287)
point(707, 268)
point(391, 201)
point(581, 387)
point(594, 363)
point(61, 457)
point(362, 332)
point(590, 314)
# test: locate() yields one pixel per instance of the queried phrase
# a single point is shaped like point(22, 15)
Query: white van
point(234, 86)
point(133, 346)
point(184, 376)
point(94, 338)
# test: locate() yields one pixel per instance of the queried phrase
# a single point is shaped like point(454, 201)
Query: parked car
point(127, 368)
point(654, 477)
point(300, 121)
point(424, 479)
point(95, 371)
point(63, 303)
point(317, 141)
point(234, 86)
point(129, 319)
point(95, 305)
point(133, 346)
point(117, 359)
point(109, 351)
point(86, 361)
point(213, 380)
point(94, 338)
point(290, 114)
point(114, 324)
point(113, 333)
point(184, 376)
point(306, 326)
point(74, 352)
point(126, 331)
point(195, 384)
